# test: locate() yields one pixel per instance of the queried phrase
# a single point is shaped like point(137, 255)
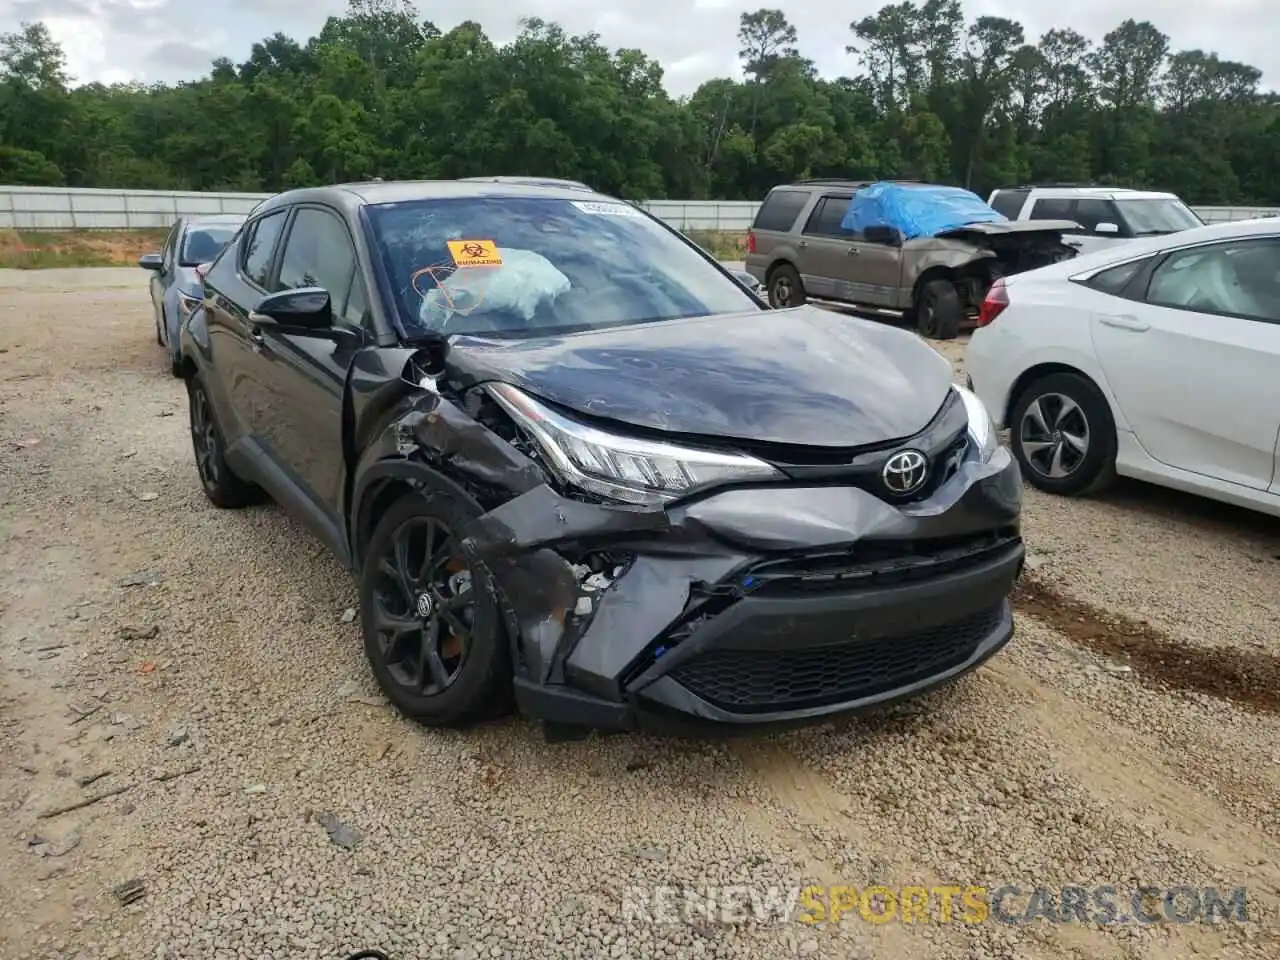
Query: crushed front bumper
point(768, 605)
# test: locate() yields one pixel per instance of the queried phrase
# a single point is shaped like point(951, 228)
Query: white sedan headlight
point(618, 467)
point(981, 427)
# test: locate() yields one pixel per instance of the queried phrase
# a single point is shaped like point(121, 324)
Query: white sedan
point(1158, 359)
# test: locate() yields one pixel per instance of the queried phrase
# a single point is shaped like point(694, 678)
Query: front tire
point(785, 288)
point(433, 631)
point(1063, 435)
point(938, 310)
point(221, 485)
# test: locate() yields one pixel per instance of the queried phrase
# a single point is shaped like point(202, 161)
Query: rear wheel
point(785, 287)
point(221, 485)
point(938, 310)
point(432, 629)
point(1063, 435)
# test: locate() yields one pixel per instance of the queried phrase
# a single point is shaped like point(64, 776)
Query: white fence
point(50, 208)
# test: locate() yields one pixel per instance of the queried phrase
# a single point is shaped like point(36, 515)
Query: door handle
point(1125, 322)
point(853, 251)
point(802, 244)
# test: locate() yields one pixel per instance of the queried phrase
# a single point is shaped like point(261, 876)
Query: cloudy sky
point(169, 40)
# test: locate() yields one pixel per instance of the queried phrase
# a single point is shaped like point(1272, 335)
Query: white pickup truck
point(1107, 215)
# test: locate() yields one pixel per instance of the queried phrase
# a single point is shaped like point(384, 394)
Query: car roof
point(214, 219)
point(1116, 193)
point(836, 183)
point(531, 181)
point(352, 195)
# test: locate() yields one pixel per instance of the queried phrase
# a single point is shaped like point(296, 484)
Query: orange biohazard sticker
point(475, 253)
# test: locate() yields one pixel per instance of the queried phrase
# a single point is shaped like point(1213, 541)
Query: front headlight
point(981, 427)
point(623, 468)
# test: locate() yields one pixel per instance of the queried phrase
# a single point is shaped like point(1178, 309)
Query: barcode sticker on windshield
point(607, 209)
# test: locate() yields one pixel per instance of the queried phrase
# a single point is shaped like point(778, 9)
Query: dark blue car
point(176, 287)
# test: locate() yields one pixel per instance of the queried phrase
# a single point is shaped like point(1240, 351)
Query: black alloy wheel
point(221, 485)
point(432, 630)
point(423, 606)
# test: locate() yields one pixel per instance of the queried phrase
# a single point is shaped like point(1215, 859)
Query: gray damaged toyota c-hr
point(572, 462)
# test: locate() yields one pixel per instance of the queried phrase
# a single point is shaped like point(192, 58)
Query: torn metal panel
point(440, 431)
point(541, 591)
point(541, 517)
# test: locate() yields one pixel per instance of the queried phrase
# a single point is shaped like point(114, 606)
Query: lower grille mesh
point(754, 681)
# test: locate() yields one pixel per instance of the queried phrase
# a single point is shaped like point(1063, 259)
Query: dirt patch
point(723, 244)
point(1247, 677)
point(38, 249)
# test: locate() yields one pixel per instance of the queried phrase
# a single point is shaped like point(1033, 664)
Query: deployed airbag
point(523, 282)
point(916, 211)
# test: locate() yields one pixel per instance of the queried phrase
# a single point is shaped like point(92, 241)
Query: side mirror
point(306, 308)
point(152, 261)
point(888, 236)
point(1107, 227)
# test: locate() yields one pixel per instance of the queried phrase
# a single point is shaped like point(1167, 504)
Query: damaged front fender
point(427, 431)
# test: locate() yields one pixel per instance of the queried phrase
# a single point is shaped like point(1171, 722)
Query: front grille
point(876, 563)
point(755, 681)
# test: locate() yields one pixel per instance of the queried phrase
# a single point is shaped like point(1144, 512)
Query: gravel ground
point(195, 671)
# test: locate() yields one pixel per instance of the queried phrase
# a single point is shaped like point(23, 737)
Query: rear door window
point(260, 246)
point(1053, 208)
point(827, 216)
point(1114, 280)
point(780, 209)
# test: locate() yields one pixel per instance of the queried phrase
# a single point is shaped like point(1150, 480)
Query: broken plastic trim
point(430, 359)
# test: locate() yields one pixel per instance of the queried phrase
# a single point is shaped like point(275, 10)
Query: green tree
point(380, 91)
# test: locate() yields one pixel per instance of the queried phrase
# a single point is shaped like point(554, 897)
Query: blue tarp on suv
point(917, 211)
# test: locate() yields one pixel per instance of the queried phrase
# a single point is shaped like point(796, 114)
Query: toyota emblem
point(905, 472)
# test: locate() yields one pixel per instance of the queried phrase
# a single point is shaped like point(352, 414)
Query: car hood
point(802, 376)
point(1001, 228)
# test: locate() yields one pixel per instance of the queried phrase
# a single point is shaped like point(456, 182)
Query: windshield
point(534, 267)
point(203, 243)
point(1147, 218)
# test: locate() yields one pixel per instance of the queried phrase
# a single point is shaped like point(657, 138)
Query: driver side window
point(318, 253)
